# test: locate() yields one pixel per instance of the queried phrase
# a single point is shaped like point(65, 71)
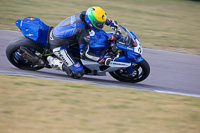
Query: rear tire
point(13, 49)
point(141, 71)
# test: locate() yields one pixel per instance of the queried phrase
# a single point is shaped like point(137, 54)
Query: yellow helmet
point(95, 17)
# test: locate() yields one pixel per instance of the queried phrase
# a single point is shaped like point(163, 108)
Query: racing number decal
point(139, 50)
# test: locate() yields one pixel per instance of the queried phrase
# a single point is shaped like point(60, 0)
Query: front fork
point(130, 69)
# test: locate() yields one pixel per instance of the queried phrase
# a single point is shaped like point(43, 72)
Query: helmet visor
point(98, 24)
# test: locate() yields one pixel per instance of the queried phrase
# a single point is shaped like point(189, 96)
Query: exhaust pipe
point(29, 56)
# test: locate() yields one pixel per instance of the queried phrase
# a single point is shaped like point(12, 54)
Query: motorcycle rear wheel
point(12, 53)
point(141, 71)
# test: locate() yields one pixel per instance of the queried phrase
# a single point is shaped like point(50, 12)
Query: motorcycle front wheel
point(141, 71)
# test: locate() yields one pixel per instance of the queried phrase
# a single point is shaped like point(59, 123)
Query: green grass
point(162, 24)
point(48, 106)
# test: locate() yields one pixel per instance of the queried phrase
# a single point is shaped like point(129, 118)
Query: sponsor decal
point(92, 33)
point(51, 36)
point(32, 19)
point(29, 35)
point(77, 65)
point(129, 48)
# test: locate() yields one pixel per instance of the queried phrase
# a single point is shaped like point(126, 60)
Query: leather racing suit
point(73, 30)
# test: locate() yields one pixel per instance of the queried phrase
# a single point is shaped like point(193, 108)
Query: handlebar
point(116, 29)
point(117, 32)
point(114, 38)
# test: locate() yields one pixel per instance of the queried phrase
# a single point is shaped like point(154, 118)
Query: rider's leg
point(103, 59)
point(69, 62)
point(58, 64)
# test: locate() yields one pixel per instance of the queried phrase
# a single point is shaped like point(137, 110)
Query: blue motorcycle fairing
point(34, 29)
point(121, 59)
point(134, 57)
point(131, 56)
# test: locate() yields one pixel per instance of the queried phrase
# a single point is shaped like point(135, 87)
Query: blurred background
point(161, 24)
point(32, 105)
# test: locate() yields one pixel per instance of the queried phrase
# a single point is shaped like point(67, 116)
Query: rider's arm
point(83, 41)
point(85, 52)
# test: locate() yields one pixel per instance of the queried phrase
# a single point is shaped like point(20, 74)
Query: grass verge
point(30, 105)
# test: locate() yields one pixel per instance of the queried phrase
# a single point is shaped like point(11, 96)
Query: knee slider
point(78, 74)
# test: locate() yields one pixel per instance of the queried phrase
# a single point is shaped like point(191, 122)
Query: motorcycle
point(30, 52)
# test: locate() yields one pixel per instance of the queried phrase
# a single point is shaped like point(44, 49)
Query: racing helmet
point(95, 17)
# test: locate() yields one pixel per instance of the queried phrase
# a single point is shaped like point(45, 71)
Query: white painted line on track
point(73, 80)
point(177, 93)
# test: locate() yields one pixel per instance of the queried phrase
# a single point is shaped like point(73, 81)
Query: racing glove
point(112, 23)
point(113, 45)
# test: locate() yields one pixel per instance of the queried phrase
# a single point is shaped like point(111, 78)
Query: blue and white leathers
point(71, 31)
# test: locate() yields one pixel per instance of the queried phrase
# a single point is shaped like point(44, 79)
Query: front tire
point(141, 71)
point(12, 53)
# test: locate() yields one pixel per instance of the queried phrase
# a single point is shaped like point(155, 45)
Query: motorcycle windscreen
point(34, 29)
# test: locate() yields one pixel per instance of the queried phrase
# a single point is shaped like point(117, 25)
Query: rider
point(73, 30)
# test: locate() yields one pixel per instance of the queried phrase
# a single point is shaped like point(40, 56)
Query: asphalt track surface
point(171, 72)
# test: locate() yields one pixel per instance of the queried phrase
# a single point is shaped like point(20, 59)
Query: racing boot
point(58, 64)
point(55, 63)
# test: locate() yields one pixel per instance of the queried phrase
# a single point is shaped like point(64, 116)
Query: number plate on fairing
point(138, 48)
